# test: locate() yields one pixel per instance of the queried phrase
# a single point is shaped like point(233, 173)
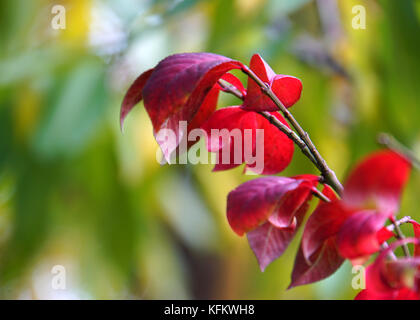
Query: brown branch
point(391, 254)
point(392, 227)
point(400, 235)
point(291, 134)
point(391, 143)
point(403, 220)
point(320, 195)
point(328, 175)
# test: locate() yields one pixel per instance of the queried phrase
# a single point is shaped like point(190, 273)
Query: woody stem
point(302, 138)
point(391, 143)
point(400, 235)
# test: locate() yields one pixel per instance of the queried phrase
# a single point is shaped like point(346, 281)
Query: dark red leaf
point(377, 182)
point(134, 95)
point(416, 228)
point(207, 107)
point(372, 295)
point(318, 256)
point(402, 294)
point(253, 202)
point(269, 242)
point(291, 202)
point(384, 234)
point(268, 157)
point(391, 279)
point(323, 263)
point(176, 90)
point(323, 224)
point(287, 88)
point(360, 235)
point(407, 294)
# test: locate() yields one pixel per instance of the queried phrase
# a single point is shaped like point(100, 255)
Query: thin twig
point(291, 134)
point(391, 143)
point(400, 236)
point(385, 246)
point(231, 89)
point(320, 195)
point(391, 227)
point(328, 175)
point(403, 220)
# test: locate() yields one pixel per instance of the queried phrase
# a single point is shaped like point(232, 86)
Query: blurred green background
point(76, 192)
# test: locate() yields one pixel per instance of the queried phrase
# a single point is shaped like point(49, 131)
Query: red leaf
point(134, 95)
point(391, 279)
point(361, 235)
point(253, 202)
point(207, 107)
point(407, 294)
point(324, 223)
point(293, 201)
point(287, 88)
point(269, 242)
point(402, 294)
point(384, 234)
point(372, 295)
point(270, 157)
point(322, 264)
point(176, 90)
point(416, 228)
point(318, 257)
point(377, 182)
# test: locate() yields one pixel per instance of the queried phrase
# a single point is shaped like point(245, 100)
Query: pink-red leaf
point(287, 88)
point(361, 235)
point(323, 224)
point(377, 182)
point(134, 95)
point(392, 279)
point(253, 202)
point(416, 228)
point(402, 294)
point(269, 242)
point(176, 89)
point(243, 141)
point(291, 202)
point(322, 264)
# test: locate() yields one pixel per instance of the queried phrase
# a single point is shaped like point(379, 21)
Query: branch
point(385, 246)
point(327, 174)
point(403, 220)
point(391, 143)
point(291, 134)
point(400, 235)
point(391, 227)
point(320, 195)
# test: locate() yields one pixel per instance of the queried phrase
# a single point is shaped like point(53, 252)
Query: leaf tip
point(122, 117)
